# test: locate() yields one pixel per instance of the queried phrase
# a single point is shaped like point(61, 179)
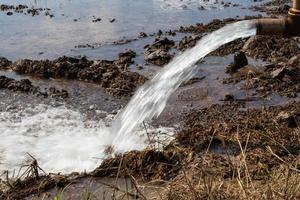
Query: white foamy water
point(62, 140)
point(150, 99)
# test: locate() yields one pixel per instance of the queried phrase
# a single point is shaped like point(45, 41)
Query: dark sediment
point(105, 73)
point(158, 52)
point(26, 86)
point(25, 10)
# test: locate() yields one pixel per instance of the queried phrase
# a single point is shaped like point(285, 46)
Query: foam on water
point(62, 140)
point(150, 99)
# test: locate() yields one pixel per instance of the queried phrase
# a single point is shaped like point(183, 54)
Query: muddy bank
point(25, 9)
point(111, 75)
point(280, 75)
point(221, 144)
point(157, 53)
point(26, 86)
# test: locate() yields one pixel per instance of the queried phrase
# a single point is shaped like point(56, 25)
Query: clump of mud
point(26, 86)
point(23, 85)
point(24, 9)
point(158, 52)
point(4, 63)
point(125, 59)
point(106, 73)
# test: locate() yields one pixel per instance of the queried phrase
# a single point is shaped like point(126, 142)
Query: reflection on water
point(24, 36)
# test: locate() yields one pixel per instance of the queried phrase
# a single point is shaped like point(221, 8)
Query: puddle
point(40, 37)
point(102, 188)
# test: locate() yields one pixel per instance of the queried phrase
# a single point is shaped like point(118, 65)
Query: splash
point(61, 139)
point(150, 99)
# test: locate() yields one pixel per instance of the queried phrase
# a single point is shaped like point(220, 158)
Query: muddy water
point(102, 188)
point(24, 36)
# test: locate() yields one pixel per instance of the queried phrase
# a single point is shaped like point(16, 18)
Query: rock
point(240, 61)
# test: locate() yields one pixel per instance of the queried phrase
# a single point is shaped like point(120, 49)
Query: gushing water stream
point(150, 99)
point(62, 141)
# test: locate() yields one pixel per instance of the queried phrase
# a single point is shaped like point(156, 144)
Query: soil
point(26, 86)
point(158, 52)
point(25, 10)
point(272, 49)
point(125, 59)
point(280, 75)
point(4, 63)
point(108, 74)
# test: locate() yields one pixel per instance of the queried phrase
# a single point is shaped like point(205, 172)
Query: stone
point(240, 61)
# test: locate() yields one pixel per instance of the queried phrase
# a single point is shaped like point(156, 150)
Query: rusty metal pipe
point(287, 27)
point(296, 4)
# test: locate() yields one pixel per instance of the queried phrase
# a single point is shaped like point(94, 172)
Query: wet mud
point(26, 86)
point(108, 74)
point(158, 52)
point(25, 9)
